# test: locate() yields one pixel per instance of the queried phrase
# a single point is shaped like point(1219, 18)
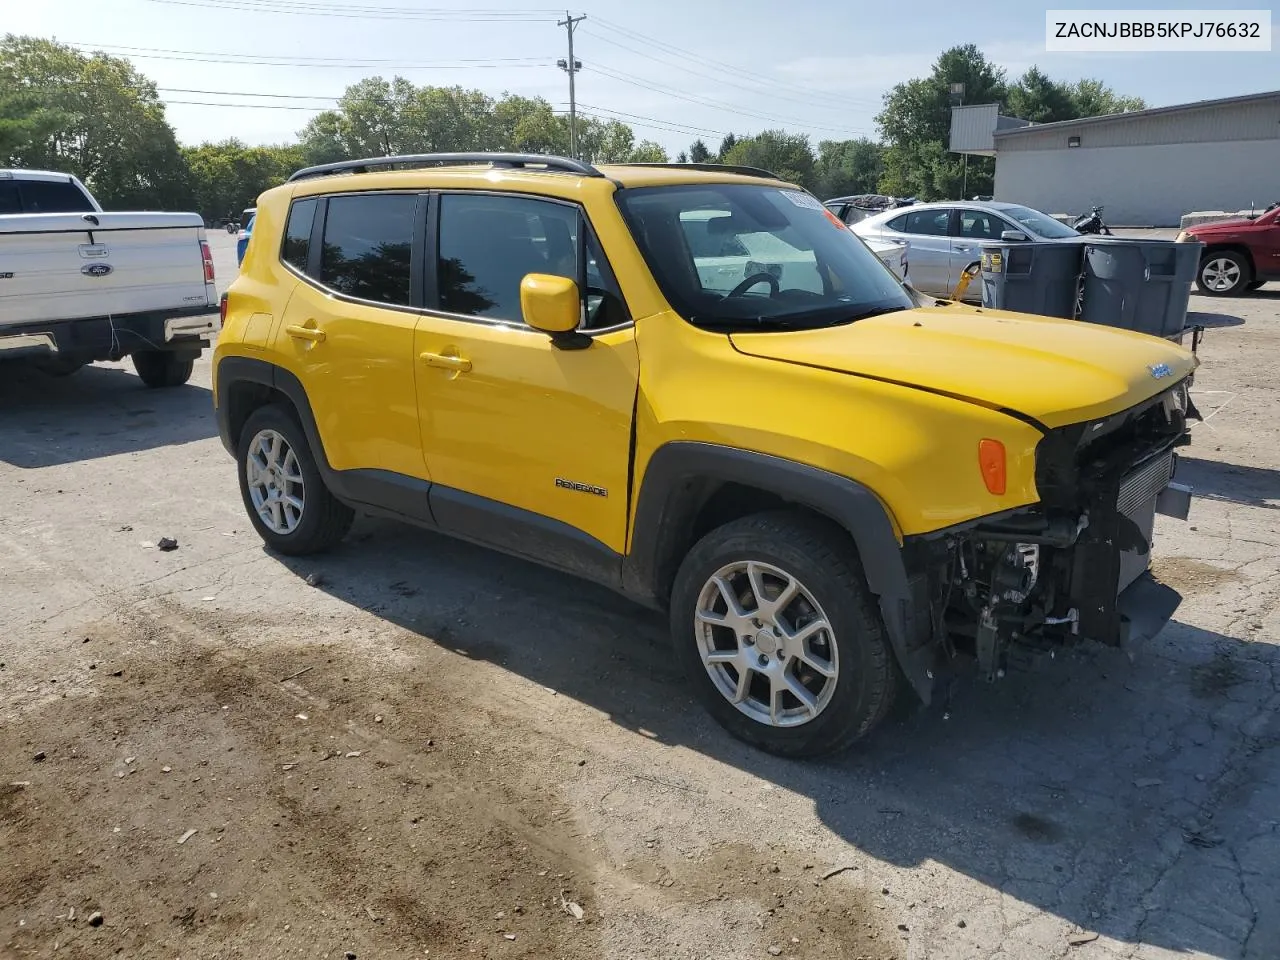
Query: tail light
point(207, 255)
point(222, 310)
point(991, 461)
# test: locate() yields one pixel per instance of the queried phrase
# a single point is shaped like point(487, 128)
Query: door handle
point(963, 249)
point(299, 332)
point(448, 361)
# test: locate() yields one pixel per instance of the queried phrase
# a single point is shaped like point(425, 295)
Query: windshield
point(1039, 223)
point(745, 257)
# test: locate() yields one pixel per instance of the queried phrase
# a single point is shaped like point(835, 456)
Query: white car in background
point(944, 238)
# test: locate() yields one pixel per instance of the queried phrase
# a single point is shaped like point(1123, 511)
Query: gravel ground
point(414, 748)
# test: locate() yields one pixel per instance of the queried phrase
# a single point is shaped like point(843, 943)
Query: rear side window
point(368, 241)
point(10, 202)
point(297, 234)
point(930, 222)
point(53, 196)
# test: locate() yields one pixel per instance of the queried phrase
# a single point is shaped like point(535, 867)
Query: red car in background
point(1239, 255)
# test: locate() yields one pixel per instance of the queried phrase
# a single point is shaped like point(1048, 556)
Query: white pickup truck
point(79, 285)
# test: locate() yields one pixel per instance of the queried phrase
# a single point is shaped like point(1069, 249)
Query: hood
point(1058, 372)
point(1217, 225)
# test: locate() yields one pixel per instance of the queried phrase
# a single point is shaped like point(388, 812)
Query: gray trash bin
point(1031, 276)
point(1141, 285)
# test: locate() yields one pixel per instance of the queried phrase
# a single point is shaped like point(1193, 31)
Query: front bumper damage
point(1076, 565)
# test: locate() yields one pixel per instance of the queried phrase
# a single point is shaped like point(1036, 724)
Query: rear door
point(347, 335)
point(928, 247)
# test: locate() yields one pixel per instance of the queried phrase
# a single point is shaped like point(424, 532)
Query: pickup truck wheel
point(774, 625)
point(160, 368)
point(1223, 273)
point(283, 492)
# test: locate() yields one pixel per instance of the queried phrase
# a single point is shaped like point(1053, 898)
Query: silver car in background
point(943, 238)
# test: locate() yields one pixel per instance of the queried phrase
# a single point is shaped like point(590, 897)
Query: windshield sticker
point(802, 199)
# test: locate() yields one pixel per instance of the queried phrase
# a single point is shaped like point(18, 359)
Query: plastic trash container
point(1140, 285)
point(1031, 276)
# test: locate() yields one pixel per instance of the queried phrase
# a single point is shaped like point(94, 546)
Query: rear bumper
point(111, 338)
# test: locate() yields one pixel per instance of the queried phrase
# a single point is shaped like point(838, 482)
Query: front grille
point(1142, 485)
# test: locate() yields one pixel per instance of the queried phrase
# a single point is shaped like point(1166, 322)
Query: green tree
point(915, 125)
point(646, 151)
point(786, 154)
point(1093, 98)
point(226, 177)
point(847, 167)
point(699, 152)
point(1035, 97)
point(727, 144)
point(93, 116)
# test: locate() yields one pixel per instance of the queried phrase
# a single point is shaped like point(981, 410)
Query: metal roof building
point(1148, 167)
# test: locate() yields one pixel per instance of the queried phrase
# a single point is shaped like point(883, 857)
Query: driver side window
point(488, 244)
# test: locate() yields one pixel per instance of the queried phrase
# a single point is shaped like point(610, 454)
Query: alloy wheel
point(1220, 274)
point(275, 482)
point(766, 644)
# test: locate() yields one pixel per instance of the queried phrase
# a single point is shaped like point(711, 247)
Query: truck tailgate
point(60, 267)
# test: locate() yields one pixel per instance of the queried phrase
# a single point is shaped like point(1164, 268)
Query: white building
point(1147, 168)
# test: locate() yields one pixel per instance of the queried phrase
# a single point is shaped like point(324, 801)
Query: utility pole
point(571, 66)
point(957, 100)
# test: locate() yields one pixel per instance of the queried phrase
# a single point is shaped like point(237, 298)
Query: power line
point(250, 58)
point(730, 68)
point(364, 13)
point(763, 87)
point(637, 119)
point(717, 104)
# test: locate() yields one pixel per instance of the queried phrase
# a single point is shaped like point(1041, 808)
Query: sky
point(675, 70)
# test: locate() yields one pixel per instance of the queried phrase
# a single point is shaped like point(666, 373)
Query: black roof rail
point(713, 168)
point(514, 160)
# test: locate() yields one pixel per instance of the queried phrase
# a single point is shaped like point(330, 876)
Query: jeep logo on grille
point(1160, 370)
point(96, 269)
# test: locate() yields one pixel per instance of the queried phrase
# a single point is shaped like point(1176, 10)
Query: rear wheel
point(283, 492)
point(161, 368)
point(775, 627)
point(1255, 284)
point(1223, 273)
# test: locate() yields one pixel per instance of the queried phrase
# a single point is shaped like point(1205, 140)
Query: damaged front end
point(1073, 566)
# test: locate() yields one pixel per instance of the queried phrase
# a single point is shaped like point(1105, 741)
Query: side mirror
point(1013, 235)
point(550, 303)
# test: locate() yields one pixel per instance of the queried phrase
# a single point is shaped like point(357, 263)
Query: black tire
point(1212, 261)
point(822, 557)
point(161, 368)
point(1255, 284)
point(325, 520)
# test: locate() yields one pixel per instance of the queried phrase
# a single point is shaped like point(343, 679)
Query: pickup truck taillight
point(207, 254)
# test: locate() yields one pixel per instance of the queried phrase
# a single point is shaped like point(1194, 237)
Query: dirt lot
point(413, 748)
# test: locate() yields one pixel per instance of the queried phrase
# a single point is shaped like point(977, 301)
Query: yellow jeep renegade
point(695, 385)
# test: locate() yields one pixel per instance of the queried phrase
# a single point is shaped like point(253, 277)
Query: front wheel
point(1223, 273)
point(161, 368)
point(775, 627)
point(283, 492)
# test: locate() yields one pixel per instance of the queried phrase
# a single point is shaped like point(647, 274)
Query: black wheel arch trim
point(675, 486)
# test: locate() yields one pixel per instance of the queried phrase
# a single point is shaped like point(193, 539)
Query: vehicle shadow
point(1231, 482)
point(1212, 320)
point(96, 412)
point(1074, 788)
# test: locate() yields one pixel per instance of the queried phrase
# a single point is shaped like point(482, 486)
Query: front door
point(528, 443)
point(972, 229)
